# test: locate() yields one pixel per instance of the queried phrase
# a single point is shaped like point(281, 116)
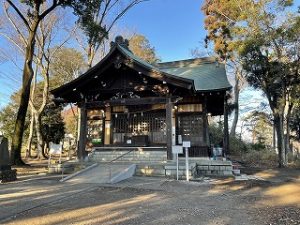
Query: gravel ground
point(275, 199)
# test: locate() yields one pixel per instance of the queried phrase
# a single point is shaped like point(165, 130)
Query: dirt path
point(274, 200)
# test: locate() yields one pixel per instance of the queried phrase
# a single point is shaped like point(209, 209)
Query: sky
point(173, 27)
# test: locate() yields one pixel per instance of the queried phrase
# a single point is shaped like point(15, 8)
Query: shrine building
point(126, 103)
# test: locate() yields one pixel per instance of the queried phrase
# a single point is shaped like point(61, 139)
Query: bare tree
point(35, 14)
point(97, 22)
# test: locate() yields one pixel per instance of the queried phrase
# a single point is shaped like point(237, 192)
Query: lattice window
point(152, 124)
point(190, 126)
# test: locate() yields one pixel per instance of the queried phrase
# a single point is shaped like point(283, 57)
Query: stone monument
point(6, 173)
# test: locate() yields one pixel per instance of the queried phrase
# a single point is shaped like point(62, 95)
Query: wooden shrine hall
point(127, 102)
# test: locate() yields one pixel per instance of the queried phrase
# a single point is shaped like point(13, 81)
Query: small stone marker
point(6, 173)
point(4, 155)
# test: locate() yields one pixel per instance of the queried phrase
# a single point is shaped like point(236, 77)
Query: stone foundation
point(214, 168)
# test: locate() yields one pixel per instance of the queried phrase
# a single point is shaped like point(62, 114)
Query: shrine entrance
point(139, 129)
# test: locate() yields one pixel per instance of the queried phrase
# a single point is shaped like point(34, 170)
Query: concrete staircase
point(133, 156)
point(154, 163)
point(197, 168)
point(164, 170)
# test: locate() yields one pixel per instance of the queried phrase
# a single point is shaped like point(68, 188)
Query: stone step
point(102, 156)
point(171, 170)
point(156, 170)
point(215, 169)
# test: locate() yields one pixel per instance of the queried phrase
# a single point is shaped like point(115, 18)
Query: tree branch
point(55, 3)
point(19, 13)
point(14, 24)
point(12, 41)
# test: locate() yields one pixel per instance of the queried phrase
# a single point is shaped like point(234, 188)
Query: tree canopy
point(265, 35)
point(142, 48)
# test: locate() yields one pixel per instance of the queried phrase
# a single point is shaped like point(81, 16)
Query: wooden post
point(226, 132)
point(107, 130)
point(81, 153)
point(169, 107)
point(205, 123)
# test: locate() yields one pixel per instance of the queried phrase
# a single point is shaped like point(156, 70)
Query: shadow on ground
point(274, 199)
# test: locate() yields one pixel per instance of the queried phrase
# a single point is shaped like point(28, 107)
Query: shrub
point(265, 158)
point(237, 146)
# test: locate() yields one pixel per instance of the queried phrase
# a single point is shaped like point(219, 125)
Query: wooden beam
point(131, 101)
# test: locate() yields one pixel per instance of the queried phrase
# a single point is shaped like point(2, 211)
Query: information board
point(177, 149)
point(186, 144)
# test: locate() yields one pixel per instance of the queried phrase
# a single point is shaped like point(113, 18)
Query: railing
point(63, 167)
point(117, 158)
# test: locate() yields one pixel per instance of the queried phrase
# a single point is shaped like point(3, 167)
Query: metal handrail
point(63, 167)
point(120, 156)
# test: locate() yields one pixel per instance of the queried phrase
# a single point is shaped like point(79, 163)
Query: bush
point(216, 134)
point(258, 146)
point(265, 158)
point(293, 160)
point(237, 146)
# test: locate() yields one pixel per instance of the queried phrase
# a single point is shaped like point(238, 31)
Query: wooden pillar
point(169, 107)
point(226, 132)
point(107, 130)
point(205, 123)
point(81, 153)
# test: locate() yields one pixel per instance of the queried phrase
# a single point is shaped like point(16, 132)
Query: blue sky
point(173, 27)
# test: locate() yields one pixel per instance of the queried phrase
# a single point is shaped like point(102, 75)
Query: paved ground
point(273, 200)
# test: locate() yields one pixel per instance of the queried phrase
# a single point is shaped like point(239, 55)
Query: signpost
point(54, 149)
point(186, 145)
point(177, 149)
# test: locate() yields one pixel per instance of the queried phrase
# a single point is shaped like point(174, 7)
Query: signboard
point(55, 149)
point(177, 149)
point(186, 144)
point(179, 139)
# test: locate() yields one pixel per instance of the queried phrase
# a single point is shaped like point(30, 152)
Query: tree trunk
point(236, 105)
point(274, 137)
point(29, 141)
point(16, 158)
point(90, 55)
point(40, 145)
point(278, 123)
point(81, 153)
point(287, 126)
point(44, 151)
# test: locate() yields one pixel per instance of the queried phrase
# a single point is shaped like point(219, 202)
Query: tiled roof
point(206, 73)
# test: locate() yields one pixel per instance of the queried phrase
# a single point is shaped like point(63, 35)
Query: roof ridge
point(187, 62)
